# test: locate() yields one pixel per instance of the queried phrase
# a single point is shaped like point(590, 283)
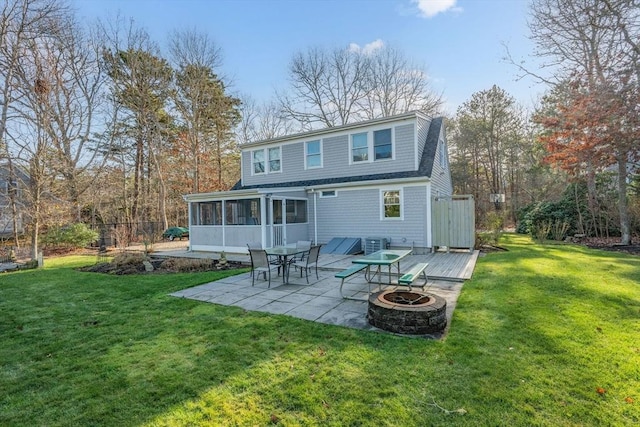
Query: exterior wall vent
point(373, 244)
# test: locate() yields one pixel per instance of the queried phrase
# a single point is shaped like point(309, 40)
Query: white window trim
point(267, 163)
point(306, 154)
point(401, 195)
point(371, 147)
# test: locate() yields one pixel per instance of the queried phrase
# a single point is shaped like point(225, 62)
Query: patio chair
point(309, 262)
point(260, 264)
point(302, 245)
point(272, 260)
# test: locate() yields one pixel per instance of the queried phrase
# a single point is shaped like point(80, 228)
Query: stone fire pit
point(407, 312)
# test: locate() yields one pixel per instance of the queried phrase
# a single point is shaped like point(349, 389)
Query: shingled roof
point(425, 167)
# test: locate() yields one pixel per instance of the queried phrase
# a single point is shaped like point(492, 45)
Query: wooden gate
point(453, 222)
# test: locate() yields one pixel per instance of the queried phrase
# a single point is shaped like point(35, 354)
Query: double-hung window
point(371, 146)
point(359, 147)
point(263, 159)
point(274, 159)
point(313, 154)
point(391, 203)
point(258, 161)
point(382, 145)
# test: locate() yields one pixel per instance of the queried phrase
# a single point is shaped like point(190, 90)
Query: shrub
point(73, 236)
point(186, 264)
point(129, 259)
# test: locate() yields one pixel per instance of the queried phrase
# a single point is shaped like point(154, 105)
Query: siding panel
point(356, 213)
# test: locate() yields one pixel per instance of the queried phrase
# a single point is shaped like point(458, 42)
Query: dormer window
point(382, 147)
point(313, 154)
point(274, 159)
point(263, 159)
point(371, 146)
point(359, 147)
point(258, 162)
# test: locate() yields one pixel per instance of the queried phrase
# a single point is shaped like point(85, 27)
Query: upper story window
point(274, 159)
point(372, 146)
point(443, 159)
point(382, 146)
point(359, 147)
point(263, 159)
point(313, 154)
point(258, 161)
point(391, 204)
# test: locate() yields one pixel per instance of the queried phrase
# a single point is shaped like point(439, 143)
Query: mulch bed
point(158, 267)
point(611, 244)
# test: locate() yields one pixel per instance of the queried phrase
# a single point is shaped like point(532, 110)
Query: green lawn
point(537, 331)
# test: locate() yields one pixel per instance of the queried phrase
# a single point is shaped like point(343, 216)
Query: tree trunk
point(623, 207)
point(13, 193)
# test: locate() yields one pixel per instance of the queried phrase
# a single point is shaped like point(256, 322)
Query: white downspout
point(315, 217)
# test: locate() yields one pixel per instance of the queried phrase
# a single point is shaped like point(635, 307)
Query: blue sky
point(458, 42)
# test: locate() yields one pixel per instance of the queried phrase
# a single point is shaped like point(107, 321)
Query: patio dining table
point(283, 253)
point(379, 259)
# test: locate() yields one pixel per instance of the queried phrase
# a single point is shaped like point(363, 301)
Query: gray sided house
point(369, 179)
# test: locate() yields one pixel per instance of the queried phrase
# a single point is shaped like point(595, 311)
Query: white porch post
point(224, 222)
point(189, 207)
point(284, 221)
point(264, 205)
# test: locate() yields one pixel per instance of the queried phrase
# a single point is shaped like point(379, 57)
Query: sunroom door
point(278, 229)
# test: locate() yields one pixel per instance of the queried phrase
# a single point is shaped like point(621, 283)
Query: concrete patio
point(320, 300)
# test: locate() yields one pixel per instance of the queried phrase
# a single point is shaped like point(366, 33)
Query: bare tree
point(22, 24)
point(190, 47)
point(74, 99)
point(397, 86)
point(264, 121)
point(326, 87)
point(340, 86)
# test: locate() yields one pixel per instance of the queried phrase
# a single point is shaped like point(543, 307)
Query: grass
point(543, 335)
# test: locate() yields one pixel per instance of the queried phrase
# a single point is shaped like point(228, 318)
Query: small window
point(274, 159)
point(328, 193)
point(392, 204)
point(313, 154)
point(382, 146)
point(258, 161)
point(359, 148)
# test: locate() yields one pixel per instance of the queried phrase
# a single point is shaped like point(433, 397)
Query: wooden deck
point(451, 266)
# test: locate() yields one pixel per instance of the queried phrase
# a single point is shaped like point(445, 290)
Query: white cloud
point(430, 8)
point(368, 48)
